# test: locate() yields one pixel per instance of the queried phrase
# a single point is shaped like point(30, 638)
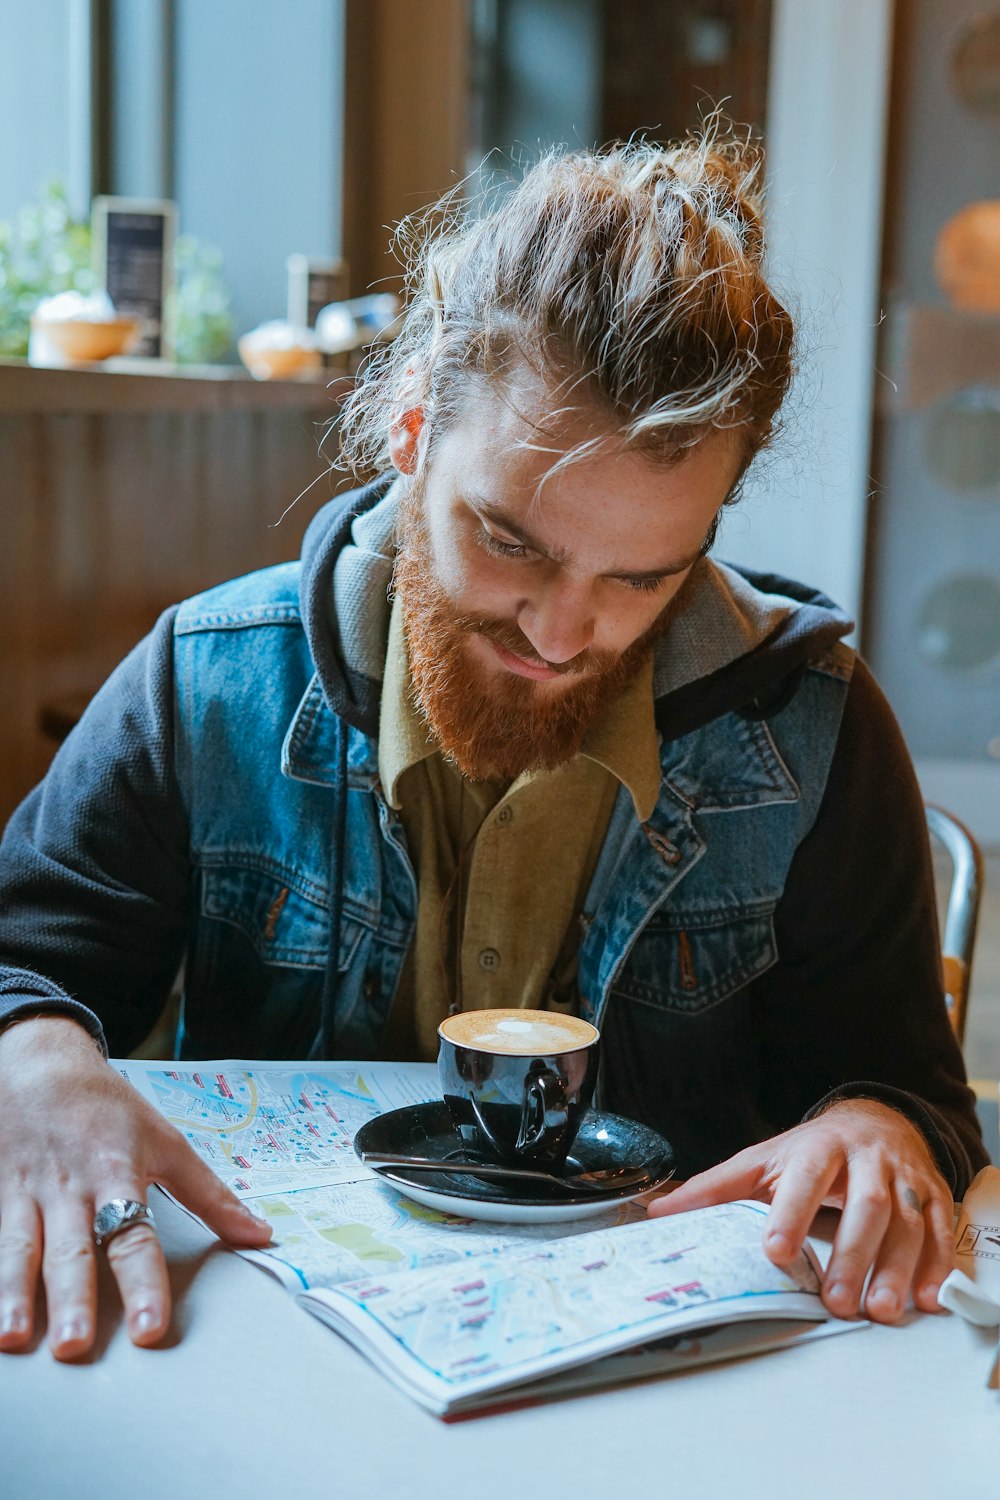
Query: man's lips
point(535, 670)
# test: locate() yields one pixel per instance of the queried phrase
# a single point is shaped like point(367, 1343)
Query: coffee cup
point(517, 1083)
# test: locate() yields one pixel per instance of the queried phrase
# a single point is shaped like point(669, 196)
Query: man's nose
point(559, 620)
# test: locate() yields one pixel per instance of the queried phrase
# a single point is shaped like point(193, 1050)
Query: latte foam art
point(519, 1033)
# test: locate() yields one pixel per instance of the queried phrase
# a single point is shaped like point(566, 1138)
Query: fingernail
point(778, 1241)
point(252, 1213)
point(73, 1330)
point(15, 1320)
point(929, 1293)
point(883, 1300)
point(144, 1322)
point(837, 1292)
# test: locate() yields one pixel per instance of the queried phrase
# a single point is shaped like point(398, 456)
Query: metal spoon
point(597, 1181)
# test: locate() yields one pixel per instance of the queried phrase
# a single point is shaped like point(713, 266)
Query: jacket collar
point(310, 751)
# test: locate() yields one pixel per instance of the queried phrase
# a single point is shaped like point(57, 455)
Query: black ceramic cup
point(517, 1083)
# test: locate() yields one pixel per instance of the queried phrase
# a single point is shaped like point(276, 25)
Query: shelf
point(95, 389)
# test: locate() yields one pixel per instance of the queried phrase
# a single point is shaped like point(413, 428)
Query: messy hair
point(630, 276)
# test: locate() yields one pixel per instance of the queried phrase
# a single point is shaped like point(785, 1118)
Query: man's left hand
point(868, 1160)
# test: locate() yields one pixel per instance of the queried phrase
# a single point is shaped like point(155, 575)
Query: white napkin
point(973, 1289)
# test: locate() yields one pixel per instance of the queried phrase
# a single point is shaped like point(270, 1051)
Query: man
point(507, 737)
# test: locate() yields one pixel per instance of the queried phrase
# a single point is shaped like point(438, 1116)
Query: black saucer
point(604, 1140)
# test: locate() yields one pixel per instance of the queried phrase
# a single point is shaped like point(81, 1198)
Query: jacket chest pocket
point(285, 920)
point(687, 963)
point(256, 967)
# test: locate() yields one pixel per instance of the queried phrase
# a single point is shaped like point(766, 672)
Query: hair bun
point(632, 274)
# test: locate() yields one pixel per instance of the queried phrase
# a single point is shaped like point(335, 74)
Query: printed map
point(282, 1136)
point(325, 1236)
point(513, 1314)
point(266, 1131)
point(269, 1129)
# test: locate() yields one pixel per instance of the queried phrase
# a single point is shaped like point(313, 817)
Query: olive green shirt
point(502, 872)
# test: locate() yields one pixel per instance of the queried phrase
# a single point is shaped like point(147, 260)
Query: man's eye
point(644, 585)
point(498, 547)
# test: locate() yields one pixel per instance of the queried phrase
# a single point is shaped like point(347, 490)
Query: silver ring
point(120, 1214)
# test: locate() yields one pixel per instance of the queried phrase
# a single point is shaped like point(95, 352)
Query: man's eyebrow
point(499, 517)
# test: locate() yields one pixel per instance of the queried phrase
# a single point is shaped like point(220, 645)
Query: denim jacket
point(220, 800)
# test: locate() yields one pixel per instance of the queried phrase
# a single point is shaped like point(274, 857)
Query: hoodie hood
point(739, 641)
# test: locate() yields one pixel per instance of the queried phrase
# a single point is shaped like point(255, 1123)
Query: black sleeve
point(93, 864)
point(855, 1006)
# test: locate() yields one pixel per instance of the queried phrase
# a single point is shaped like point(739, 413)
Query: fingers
point(740, 1177)
point(58, 1242)
point(140, 1269)
point(798, 1197)
point(917, 1251)
point(195, 1185)
point(937, 1258)
point(865, 1224)
point(54, 1238)
point(905, 1239)
point(92, 1140)
point(896, 1261)
point(135, 1255)
point(897, 1212)
point(69, 1270)
point(20, 1260)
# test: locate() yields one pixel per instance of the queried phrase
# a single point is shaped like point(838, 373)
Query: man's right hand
point(74, 1135)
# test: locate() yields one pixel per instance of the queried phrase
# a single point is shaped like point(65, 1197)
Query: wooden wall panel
point(110, 516)
point(406, 133)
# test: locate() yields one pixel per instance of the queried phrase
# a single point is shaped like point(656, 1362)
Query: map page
point(276, 1127)
point(452, 1335)
point(326, 1236)
point(281, 1135)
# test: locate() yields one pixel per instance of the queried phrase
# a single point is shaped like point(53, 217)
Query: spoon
point(597, 1181)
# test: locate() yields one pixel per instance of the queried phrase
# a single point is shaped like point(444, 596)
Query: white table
point(253, 1397)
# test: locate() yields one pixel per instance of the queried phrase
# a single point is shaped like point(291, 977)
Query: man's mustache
point(505, 633)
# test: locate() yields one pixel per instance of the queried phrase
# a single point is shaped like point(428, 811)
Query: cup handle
point(484, 1128)
point(544, 1111)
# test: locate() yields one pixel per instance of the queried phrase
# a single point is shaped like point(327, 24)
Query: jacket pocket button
point(667, 851)
point(689, 979)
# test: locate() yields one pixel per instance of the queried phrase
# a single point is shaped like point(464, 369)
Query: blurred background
point(307, 128)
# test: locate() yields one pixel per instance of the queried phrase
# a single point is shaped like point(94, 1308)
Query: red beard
point(493, 726)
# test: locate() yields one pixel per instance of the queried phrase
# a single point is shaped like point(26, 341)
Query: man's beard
point(494, 725)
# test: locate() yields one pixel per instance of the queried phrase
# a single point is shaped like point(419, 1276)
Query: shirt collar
point(404, 738)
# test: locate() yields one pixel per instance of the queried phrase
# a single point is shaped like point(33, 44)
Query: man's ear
point(404, 440)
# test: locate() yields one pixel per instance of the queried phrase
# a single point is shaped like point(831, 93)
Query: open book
point(465, 1315)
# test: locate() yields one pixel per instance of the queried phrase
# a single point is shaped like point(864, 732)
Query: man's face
point(531, 597)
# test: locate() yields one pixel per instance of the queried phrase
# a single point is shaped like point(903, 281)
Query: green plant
point(45, 251)
point(199, 310)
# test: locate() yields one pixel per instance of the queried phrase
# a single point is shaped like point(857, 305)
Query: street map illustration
point(282, 1137)
point(265, 1129)
point(455, 1308)
point(587, 1292)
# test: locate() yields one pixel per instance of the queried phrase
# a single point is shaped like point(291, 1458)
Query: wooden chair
point(964, 894)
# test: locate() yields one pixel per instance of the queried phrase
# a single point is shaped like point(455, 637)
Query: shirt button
point(505, 815)
point(489, 959)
